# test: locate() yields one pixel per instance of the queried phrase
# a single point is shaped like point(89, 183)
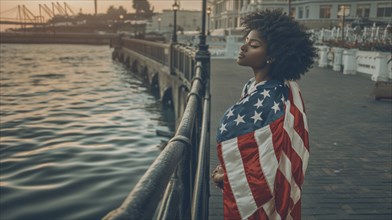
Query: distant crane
point(24, 16)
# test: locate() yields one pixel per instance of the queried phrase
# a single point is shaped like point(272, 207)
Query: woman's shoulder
point(247, 86)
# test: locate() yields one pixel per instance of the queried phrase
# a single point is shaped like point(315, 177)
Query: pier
point(349, 172)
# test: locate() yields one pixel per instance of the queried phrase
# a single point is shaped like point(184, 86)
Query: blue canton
point(257, 108)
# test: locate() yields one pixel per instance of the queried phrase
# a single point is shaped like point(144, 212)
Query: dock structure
point(349, 172)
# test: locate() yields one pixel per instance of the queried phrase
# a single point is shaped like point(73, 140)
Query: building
point(226, 14)
point(187, 20)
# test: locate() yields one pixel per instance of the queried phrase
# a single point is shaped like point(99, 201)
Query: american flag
point(263, 148)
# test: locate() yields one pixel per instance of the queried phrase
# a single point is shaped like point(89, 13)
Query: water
point(77, 131)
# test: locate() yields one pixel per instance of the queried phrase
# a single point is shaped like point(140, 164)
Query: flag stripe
point(300, 125)
point(296, 143)
point(237, 178)
point(268, 158)
point(270, 210)
point(230, 207)
point(258, 184)
point(296, 98)
point(282, 194)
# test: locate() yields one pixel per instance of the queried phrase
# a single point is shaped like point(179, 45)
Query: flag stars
point(256, 117)
point(223, 128)
point(239, 119)
point(230, 113)
point(265, 93)
point(258, 104)
point(283, 100)
point(246, 99)
point(276, 107)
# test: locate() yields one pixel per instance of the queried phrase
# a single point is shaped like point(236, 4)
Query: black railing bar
point(169, 204)
point(199, 191)
point(143, 200)
point(195, 89)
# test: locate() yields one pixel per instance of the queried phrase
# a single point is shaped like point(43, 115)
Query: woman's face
point(254, 52)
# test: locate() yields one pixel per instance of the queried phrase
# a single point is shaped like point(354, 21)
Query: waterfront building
point(187, 20)
point(226, 14)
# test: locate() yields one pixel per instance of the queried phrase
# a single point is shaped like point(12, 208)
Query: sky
point(87, 6)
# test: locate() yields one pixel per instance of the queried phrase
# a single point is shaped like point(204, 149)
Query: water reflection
point(77, 131)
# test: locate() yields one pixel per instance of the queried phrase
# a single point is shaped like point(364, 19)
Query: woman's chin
point(239, 62)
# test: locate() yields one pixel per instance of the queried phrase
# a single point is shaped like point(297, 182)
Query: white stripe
point(298, 101)
point(237, 178)
point(270, 210)
point(296, 141)
point(285, 168)
point(268, 161)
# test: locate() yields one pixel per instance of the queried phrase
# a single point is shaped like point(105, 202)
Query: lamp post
point(343, 8)
point(175, 8)
point(159, 25)
point(208, 20)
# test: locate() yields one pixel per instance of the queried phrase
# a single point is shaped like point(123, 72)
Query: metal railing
point(176, 185)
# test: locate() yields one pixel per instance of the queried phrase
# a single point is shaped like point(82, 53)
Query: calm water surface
point(77, 131)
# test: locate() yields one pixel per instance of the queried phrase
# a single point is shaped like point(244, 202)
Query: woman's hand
point(217, 176)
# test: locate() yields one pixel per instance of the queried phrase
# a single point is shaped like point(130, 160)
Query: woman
point(262, 140)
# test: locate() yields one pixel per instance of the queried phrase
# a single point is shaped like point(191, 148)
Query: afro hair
point(288, 44)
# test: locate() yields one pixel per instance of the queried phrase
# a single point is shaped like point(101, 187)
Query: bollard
point(323, 61)
point(337, 62)
point(381, 72)
point(349, 62)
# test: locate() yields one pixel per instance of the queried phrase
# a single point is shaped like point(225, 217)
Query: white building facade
point(226, 14)
point(187, 20)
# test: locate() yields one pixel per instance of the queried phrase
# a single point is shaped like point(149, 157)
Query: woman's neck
point(261, 75)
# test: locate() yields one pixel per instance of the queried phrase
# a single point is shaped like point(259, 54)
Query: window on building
point(344, 10)
point(307, 12)
point(384, 10)
point(292, 12)
point(363, 10)
point(300, 12)
point(325, 11)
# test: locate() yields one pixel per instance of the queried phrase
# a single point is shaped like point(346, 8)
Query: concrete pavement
point(349, 173)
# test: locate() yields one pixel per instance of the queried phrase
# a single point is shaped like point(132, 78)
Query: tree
point(142, 8)
point(115, 13)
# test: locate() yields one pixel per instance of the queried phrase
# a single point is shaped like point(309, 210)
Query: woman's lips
point(241, 55)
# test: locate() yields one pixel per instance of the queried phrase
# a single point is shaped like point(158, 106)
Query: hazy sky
point(87, 6)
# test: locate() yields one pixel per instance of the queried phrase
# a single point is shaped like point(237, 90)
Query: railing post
point(200, 201)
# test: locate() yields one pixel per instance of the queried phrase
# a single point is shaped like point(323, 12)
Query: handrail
point(143, 200)
point(200, 196)
point(175, 186)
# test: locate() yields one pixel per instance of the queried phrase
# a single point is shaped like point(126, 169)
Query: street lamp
point(159, 24)
point(175, 8)
point(208, 18)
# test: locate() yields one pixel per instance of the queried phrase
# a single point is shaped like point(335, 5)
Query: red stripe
point(258, 185)
point(299, 127)
point(278, 140)
point(296, 211)
point(281, 139)
point(230, 208)
point(282, 195)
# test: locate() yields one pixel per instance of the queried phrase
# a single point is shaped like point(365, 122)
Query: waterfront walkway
point(349, 173)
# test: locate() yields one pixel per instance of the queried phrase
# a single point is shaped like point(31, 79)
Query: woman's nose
point(243, 47)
